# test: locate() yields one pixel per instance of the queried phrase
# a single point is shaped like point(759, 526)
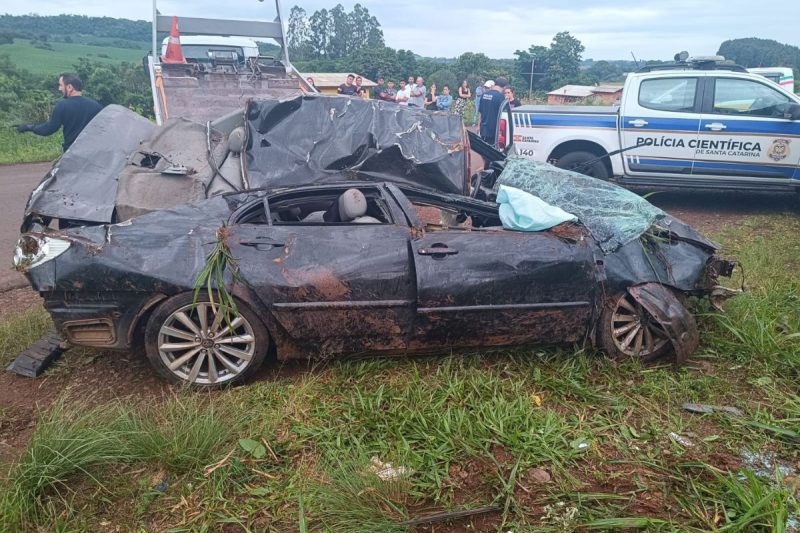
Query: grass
point(559, 440)
point(64, 55)
point(26, 147)
point(21, 330)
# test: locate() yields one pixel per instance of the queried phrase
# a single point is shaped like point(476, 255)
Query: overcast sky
point(609, 29)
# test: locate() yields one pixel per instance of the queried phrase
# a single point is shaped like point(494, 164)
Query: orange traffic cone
point(174, 52)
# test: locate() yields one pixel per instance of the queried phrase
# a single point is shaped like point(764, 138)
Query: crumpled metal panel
point(318, 139)
point(82, 184)
point(672, 315)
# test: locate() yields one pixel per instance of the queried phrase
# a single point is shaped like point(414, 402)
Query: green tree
point(471, 65)
point(753, 52)
point(320, 27)
point(563, 60)
point(374, 62)
point(298, 34)
point(534, 57)
point(444, 77)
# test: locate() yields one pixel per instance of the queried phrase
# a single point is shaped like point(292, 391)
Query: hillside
point(62, 57)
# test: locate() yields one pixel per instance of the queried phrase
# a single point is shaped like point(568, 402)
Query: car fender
point(665, 307)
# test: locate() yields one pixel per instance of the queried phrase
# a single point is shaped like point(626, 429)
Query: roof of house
point(580, 91)
point(334, 79)
point(607, 88)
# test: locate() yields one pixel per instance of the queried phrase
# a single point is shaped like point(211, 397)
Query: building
point(575, 94)
point(328, 82)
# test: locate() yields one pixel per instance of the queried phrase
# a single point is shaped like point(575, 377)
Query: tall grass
point(77, 441)
point(26, 147)
point(20, 331)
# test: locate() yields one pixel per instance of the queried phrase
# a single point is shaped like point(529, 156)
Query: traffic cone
point(174, 53)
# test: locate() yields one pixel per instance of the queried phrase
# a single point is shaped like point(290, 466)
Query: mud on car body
point(386, 255)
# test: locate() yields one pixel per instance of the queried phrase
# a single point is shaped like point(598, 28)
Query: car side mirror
point(792, 112)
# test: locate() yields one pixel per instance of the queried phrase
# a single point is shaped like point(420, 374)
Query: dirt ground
point(100, 376)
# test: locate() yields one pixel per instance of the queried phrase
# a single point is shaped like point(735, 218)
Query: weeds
point(20, 331)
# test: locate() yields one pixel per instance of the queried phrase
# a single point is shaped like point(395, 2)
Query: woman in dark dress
point(464, 94)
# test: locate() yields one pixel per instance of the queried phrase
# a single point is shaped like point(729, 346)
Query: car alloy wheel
point(634, 332)
point(203, 344)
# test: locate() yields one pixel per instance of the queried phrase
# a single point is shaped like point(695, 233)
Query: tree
point(297, 34)
point(472, 65)
point(563, 60)
point(320, 27)
point(753, 52)
point(366, 30)
point(444, 77)
point(375, 62)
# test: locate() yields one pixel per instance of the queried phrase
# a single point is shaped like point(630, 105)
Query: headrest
point(352, 204)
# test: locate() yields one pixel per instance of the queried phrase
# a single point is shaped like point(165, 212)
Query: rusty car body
point(416, 266)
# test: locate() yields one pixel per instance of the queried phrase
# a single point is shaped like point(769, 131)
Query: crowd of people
point(489, 97)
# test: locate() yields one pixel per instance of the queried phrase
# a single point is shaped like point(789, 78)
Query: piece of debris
point(680, 439)
point(40, 355)
point(705, 408)
point(452, 515)
point(386, 471)
point(539, 475)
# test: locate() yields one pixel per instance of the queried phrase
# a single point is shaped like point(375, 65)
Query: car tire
point(628, 331)
point(575, 159)
point(194, 343)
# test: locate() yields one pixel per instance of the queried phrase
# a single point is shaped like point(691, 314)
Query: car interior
point(351, 206)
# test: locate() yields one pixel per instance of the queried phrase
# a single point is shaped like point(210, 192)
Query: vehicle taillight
point(501, 137)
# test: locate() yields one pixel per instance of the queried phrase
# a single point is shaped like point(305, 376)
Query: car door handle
point(263, 244)
point(638, 123)
point(437, 249)
point(715, 126)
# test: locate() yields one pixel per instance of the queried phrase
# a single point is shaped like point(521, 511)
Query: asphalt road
point(16, 184)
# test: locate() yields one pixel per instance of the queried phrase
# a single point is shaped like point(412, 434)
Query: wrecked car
point(368, 253)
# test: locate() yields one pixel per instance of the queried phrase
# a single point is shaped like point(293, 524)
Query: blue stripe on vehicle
point(786, 171)
point(722, 166)
point(533, 120)
point(658, 123)
point(772, 127)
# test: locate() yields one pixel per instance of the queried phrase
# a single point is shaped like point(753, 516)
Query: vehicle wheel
point(628, 331)
point(574, 160)
point(197, 344)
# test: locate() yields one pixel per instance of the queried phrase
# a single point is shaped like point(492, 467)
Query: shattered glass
point(613, 215)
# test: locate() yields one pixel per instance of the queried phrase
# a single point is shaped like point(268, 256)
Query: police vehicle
point(702, 122)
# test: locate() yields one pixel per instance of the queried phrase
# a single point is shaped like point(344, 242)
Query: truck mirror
point(792, 112)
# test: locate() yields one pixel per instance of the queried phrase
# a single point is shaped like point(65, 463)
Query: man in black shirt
point(74, 112)
point(491, 102)
point(347, 88)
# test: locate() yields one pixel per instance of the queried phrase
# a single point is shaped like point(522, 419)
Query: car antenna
point(634, 59)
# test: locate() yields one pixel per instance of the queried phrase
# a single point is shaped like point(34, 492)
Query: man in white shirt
point(403, 94)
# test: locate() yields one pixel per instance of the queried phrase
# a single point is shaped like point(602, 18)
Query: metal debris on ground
point(680, 439)
point(386, 471)
point(704, 408)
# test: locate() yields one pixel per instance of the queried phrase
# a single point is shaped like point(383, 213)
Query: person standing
point(513, 101)
point(347, 88)
point(379, 92)
point(491, 103)
point(444, 100)
point(72, 113)
point(430, 99)
point(417, 94)
point(403, 94)
point(464, 94)
point(390, 93)
point(478, 94)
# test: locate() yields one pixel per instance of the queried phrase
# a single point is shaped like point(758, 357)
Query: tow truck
point(701, 122)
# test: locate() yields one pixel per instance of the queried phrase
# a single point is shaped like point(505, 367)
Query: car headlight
point(33, 251)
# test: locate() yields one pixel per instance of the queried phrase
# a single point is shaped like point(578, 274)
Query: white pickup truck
point(691, 124)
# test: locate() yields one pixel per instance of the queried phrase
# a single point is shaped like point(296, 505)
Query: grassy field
point(27, 147)
point(65, 55)
point(557, 440)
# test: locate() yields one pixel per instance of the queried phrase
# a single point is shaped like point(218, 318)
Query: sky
point(609, 29)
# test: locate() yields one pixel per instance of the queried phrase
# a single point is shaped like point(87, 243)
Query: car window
point(668, 94)
point(436, 217)
point(329, 207)
point(748, 98)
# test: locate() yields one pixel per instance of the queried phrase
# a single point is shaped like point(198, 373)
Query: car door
point(743, 132)
point(659, 124)
point(485, 286)
point(331, 287)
